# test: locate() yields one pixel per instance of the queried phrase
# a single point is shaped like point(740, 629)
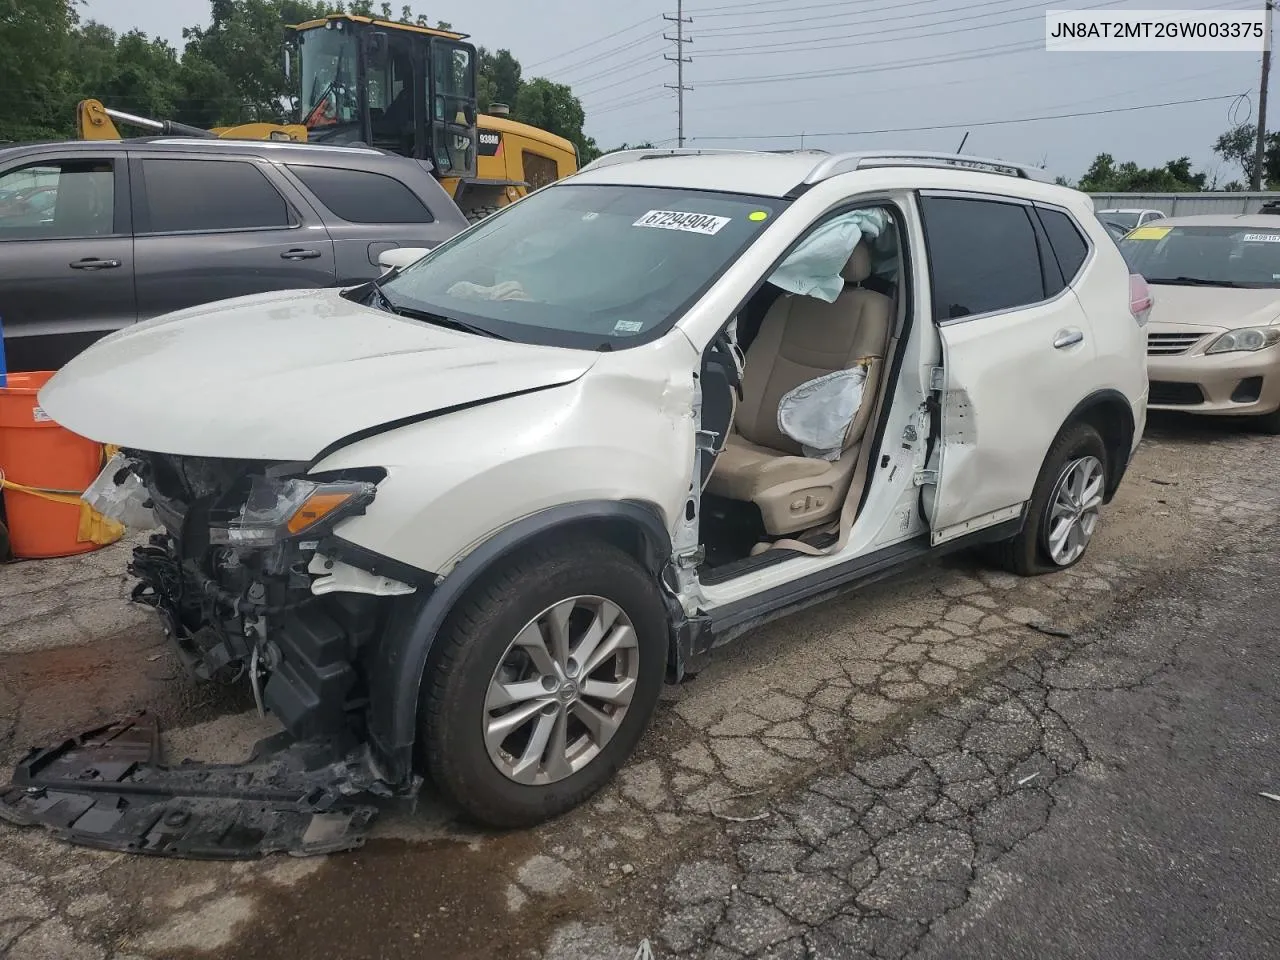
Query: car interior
point(764, 497)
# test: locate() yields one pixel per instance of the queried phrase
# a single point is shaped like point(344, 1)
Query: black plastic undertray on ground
point(109, 788)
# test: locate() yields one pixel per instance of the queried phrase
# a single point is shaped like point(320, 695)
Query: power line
point(914, 30)
point(614, 70)
point(618, 83)
point(592, 43)
point(824, 20)
point(972, 123)
point(881, 67)
point(630, 45)
point(735, 9)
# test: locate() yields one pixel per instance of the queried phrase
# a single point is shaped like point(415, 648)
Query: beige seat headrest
point(859, 266)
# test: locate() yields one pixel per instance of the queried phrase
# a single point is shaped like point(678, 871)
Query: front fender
point(452, 481)
point(396, 668)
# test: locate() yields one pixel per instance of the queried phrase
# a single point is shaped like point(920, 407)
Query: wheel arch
point(1108, 412)
point(398, 664)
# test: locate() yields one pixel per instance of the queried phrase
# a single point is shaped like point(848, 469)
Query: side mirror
point(397, 258)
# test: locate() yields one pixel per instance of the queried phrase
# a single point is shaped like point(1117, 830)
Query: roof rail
point(627, 156)
point(243, 142)
point(865, 159)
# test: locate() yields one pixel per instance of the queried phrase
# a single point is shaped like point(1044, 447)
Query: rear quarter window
point(1069, 245)
point(359, 196)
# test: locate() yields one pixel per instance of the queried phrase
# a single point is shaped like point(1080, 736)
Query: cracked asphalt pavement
point(957, 763)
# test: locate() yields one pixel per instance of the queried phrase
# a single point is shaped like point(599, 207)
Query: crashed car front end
point(241, 567)
point(239, 576)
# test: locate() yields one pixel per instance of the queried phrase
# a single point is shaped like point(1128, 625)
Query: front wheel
point(1062, 516)
point(1267, 423)
point(543, 681)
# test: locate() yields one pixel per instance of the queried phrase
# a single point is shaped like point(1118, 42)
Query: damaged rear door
point(1016, 347)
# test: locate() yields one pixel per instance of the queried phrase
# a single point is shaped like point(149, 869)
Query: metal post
point(680, 60)
point(1260, 148)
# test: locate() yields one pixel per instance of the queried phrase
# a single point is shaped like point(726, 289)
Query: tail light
point(1140, 299)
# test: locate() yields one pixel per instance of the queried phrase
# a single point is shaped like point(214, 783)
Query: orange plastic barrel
point(36, 452)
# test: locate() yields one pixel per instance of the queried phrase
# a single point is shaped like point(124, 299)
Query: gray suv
point(96, 235)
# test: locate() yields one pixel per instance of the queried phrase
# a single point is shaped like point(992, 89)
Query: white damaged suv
point(476, 512)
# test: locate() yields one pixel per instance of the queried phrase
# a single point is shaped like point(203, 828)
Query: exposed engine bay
point(239, 574)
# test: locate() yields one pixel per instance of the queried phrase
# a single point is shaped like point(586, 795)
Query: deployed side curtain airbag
point(815, 268)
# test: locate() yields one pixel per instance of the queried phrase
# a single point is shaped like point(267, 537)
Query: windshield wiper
point(1194, 282)
point(438, 319)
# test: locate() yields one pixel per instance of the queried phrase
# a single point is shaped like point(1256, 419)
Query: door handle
point(297, 253)
point(93, 263)
point(1067, 338)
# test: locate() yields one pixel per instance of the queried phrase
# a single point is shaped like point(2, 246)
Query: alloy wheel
point(561, 690)
point(1073, 510)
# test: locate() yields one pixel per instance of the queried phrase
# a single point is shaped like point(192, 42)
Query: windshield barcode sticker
point(689, 222)
point(1262, 238)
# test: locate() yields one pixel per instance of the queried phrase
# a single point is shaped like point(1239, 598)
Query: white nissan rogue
point(475, 512)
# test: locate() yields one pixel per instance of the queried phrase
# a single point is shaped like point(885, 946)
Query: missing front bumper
point(109, 789)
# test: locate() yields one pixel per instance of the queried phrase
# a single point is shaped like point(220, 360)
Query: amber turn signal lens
point(315, 508)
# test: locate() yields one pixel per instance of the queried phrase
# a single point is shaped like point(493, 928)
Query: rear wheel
point(1064, 510)
point(543, 682)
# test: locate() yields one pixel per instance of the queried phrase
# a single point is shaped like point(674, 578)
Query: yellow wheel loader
point(401, 88)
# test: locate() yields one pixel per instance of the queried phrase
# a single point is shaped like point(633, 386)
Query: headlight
point(1246, 338)
point(278, 509)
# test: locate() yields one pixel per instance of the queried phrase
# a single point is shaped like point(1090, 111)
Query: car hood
point(282, 376)
point(1221, 308)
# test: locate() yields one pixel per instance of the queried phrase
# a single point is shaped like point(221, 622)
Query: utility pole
point(1260, 149)
point(680, 60)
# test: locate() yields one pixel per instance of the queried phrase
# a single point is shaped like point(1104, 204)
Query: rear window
point(359, 196)
point(1219, 256)
point(194, 195)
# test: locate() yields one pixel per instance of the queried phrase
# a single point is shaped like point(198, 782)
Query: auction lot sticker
point(1149, 233)
point(1262, 238)
point(688, 222)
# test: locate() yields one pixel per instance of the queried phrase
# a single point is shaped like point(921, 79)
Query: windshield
point(585, 266)
point(1225, 256)
point(329, 94)
point(1121, 218)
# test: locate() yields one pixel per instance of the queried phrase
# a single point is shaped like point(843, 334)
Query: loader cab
point(405, 89)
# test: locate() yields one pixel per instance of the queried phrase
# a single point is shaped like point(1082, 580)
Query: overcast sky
point(988, 63)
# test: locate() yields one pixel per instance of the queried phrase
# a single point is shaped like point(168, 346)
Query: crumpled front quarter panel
point(624, 431)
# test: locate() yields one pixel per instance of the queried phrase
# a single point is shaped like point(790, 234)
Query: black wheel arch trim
point(396, 668)
point(1116, 466)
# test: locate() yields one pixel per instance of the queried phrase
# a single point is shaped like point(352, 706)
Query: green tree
point(1106, 176)
point(36, 54)
point(131, 72)
point(243, 42)
point(1239, 144)
point(553, 107)
point(498, 78)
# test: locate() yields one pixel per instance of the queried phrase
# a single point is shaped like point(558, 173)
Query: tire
point(1267, 423)
point(1029, 553)
point(478, 649)
point(476, 214)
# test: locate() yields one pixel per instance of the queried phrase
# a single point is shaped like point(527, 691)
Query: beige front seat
point(802, 338)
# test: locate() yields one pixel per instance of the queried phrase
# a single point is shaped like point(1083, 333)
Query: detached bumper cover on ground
point(109, 789)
